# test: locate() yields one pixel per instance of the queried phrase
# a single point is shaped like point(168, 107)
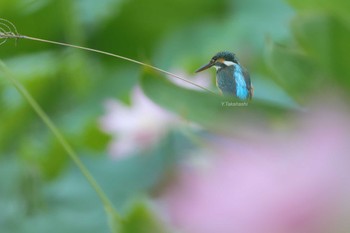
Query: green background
point(294, 50)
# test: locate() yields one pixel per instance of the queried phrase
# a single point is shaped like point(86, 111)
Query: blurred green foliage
point(292, 51)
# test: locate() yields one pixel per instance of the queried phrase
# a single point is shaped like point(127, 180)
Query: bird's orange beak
point(207, 66)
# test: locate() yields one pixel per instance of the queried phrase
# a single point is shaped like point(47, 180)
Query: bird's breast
point(231, 81)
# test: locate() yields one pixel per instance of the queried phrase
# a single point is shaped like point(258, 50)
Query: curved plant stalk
point(8, 31)
point(109, 208)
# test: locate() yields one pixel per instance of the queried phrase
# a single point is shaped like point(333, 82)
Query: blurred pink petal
point(136, 127)
point(285, 182)
point(201, 79)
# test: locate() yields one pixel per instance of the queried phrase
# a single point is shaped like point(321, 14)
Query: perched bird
point(231, 78)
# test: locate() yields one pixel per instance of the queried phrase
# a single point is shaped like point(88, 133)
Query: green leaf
point(94, 138)
point(292, 67)
point(143, 23)
point(211, 111)
point(339, 8)
point(71, 202)
point(129, 177)
point(141, 219)
point(326, 40)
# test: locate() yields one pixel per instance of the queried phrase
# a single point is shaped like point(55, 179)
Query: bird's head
point(220, 60)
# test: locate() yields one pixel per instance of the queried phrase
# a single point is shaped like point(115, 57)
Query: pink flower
point(285, 182)
point(136, 127)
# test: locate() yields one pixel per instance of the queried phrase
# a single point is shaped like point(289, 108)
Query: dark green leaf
point(293, 68)
point(326, 40)
point(211, 111)
point(336, 7)
point(141, 219)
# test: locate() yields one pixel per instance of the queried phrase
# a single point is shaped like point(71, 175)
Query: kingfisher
point(232, 78)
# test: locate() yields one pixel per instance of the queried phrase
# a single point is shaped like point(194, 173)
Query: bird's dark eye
point(213, 59)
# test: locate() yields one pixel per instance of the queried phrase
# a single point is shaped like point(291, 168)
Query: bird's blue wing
point(241, 85)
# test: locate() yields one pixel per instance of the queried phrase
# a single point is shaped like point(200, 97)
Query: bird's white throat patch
point(217, 67)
